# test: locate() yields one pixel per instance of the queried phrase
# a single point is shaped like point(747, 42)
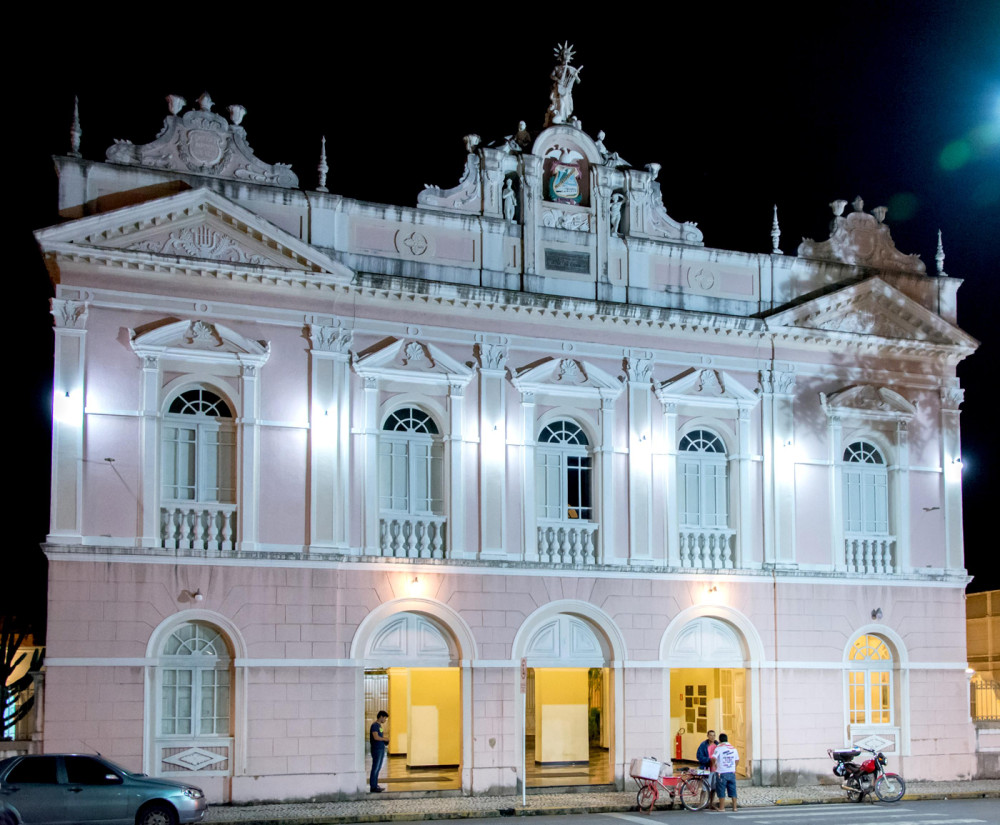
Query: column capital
point(69, 314)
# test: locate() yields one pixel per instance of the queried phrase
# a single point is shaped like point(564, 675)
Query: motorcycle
point(868, 777)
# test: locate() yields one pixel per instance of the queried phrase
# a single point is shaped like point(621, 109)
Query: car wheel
point(158, 814)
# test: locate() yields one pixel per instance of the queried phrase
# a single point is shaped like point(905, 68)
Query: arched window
point(199, 449)
point(866, 490)
point(195, 684)
point(869, 682)
point(563, 473)
point(704, 480)
point(410, 464)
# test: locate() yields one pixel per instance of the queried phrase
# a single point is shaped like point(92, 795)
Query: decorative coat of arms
point(565, 176)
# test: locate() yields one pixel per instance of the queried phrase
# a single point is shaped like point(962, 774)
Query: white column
point(835, 437)
point(951, 463)
point(68, 401)
point(640, 469)
point(329, 436)
point(456, 468)
point(149, 453)
point(492, 451)
point(529, 505)
point(249, 452)
point(369, 434)
point(899, 492)
point(606, 454)
point(778, 430)
point(673, 519)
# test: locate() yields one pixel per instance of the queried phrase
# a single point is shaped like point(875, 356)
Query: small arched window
point(866, 490)
point(869, 681)
point(704, 480)
point(410, 464)
point(198, 449)
point(195, 683)
point(563, 472)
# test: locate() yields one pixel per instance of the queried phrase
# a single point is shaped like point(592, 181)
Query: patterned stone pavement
point(393, 808)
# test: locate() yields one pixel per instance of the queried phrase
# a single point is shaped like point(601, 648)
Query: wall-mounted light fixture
point(877, 614)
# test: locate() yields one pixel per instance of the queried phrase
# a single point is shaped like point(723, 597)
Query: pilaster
point(606, 453)
point(951, 463)
point(149, 452)
point(456, 471)
point(673, 522)
point(369, 452)
point(640, 469)
point(528, 416)
point(778, 425)
point(249, 464)
point(492, 450)
point(899, 497)
point(329, 436)
point(835, 438)
point(68, 401)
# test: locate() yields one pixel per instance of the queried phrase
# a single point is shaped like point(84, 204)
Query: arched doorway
point(569, 719)
point(412, 672)
point(708, 688)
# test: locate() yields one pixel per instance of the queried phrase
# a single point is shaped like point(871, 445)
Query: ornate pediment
point(567, 376)
point(706, 388)
point(860, 239)
point(867, 401)
point(411, 360)
point(199, 226)
point(875, 309)
point(198, 340)
point(202, 142)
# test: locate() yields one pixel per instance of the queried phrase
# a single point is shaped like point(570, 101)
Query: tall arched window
point(563, 473)
point(866, 490)
point(411, 498)
point(199, 449)
point(195, 683)
point(869, 682)
point(704, 480)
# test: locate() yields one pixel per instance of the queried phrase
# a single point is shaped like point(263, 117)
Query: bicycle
point(692, 788)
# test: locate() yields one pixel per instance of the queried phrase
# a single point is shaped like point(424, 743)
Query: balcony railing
point(571, 542)
point(186, 525)
point(413, 537)
point(708, 548)
point(869, 554)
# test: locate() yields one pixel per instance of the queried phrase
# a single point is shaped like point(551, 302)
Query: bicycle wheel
point(646, 798)
point(890, 787)
point(694, 793)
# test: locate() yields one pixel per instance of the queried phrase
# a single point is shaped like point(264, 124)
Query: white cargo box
point(644, 768)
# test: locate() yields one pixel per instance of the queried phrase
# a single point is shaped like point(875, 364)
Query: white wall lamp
point(877, 614)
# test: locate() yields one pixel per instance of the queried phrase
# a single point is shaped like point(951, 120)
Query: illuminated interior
point(704, 699)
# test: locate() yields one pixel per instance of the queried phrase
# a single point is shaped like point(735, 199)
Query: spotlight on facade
point(198, 596)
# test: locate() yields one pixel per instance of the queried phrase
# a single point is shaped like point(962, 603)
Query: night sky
point(898, 102)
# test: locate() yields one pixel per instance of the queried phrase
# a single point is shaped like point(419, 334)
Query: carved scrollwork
point(952, 398)
point(639, 370)
point(331, 339)
point(777, 382)
point(466, 196)
point(200, 242)
point(491, 356)
point(68, 314)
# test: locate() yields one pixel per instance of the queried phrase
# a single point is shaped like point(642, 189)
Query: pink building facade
point(527, 462)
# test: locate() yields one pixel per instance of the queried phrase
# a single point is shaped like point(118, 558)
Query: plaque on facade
point(558, 260)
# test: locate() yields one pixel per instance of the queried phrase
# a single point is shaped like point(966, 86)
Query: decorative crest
point(202, 142)
point(75, 132)
point(775, 233)
point(860, 239)
point(323, 167)
point(939, 257)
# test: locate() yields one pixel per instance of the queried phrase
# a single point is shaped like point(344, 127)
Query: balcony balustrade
point(413, 537)
point(186, 525)
point(571, 542)
point(708, 548)
point(870, 554)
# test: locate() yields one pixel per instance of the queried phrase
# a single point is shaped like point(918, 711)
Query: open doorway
point(704, 699)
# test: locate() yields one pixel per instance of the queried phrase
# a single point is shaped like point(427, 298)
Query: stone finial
point(939, 257)
point(175, 103)
point(471, 142)
point(653, 169)
point(880, 212)
point(775, 233)
point(858, 204)
point(236, 114)
point(838, 207)
point(205, 102)
point(323, 167)
point(75, 132)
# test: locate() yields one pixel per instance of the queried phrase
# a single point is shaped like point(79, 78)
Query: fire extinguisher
point(677, 744)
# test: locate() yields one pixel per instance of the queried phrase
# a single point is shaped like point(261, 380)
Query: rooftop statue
point(564, 78)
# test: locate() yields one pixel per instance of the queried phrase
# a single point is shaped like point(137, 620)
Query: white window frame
point(207, 654)
point(866, 489)
point(411, 453)
point(703, 462)
point(563, 461)
point(866, 675)
point(207, 434)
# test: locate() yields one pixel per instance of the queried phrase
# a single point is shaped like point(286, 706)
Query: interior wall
point(434, 719)
point(399, 692)
point(562, 698)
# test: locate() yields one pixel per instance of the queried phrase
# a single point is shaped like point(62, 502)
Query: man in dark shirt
point(703, 756)
point(379, 742)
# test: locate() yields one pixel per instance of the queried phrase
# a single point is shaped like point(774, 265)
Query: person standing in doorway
point(726, 757)
point(703, 756)
point(379, 742)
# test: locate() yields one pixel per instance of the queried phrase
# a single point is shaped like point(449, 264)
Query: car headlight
point(193, 793)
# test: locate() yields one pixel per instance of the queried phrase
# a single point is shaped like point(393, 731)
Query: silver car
point(76, 788)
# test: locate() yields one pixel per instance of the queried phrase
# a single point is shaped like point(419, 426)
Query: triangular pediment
point(408, 359)
point(197, 226)
point(567, 376)
point(867, 401)
point(707, 388)
point(197, 340)
point(874, 309)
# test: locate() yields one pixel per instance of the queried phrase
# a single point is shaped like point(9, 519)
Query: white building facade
point(312, 455)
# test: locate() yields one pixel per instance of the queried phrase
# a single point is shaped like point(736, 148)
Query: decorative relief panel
point(202, 241)
point(68, 314)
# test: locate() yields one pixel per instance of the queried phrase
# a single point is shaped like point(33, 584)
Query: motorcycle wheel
point(890, 787)
point(854, 792)
point(646, 798)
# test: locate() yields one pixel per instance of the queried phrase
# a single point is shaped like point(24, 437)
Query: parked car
point(76, 788)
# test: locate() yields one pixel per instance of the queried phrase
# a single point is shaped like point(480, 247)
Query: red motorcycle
point(868, 777)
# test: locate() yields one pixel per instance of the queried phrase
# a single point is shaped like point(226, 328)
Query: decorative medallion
point(195, 759)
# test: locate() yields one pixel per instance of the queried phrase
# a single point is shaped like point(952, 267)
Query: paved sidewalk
point(390, 808)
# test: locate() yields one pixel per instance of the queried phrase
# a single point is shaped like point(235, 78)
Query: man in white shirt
point(725, 758)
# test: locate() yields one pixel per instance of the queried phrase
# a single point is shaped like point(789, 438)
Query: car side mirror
point(113, 779)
